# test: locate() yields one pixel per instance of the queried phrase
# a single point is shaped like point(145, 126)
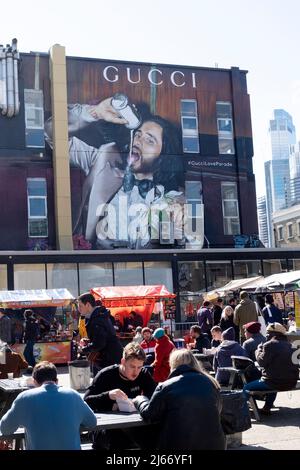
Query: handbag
point(263, 326)
point(261, 320)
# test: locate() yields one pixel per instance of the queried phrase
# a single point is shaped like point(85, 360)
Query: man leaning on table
point(51, 415)
point(120, 382)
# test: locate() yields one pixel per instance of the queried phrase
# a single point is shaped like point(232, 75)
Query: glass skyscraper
point(277, 171)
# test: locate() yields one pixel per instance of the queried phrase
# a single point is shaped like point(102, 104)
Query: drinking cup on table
point(10, 375)
point(204, 350)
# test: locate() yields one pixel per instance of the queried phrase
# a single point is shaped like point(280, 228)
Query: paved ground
point(280, 431)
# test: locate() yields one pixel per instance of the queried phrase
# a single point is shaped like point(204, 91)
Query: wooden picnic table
point(9, 390)
point(111, 420)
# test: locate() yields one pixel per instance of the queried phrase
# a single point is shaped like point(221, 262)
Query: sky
point(261, 36)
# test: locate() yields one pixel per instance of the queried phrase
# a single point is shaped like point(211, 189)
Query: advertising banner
point(56, 352)
point(132, 130)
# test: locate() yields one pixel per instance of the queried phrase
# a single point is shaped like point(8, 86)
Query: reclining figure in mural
point(133, 182)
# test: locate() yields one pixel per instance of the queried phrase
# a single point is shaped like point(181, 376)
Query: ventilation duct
point(9, 82)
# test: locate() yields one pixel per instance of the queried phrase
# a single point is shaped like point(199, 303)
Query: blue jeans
point(28, 353)
point(260, 385)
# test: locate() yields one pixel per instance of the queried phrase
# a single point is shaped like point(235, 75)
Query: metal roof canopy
point(276, 283)
point(232, 286)
point(35, 298)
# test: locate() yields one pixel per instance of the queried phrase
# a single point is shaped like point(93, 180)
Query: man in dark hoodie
point(278, 370)
point(228, 348)
point(101, 334)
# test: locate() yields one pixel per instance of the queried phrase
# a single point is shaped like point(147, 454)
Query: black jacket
point(102, 336)
point(110, 378)
point(187, 406)
point(31, 330)
point(275, 357)
point(202, 342)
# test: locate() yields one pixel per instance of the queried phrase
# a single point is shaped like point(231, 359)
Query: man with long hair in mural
point(133, 181)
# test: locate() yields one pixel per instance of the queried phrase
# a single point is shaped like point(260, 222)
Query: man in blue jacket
point(50, 414)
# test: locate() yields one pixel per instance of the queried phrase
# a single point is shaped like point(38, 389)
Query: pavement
point(280, 431)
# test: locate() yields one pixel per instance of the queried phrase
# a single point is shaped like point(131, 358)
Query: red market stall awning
point(122, 299)
point(35, 298)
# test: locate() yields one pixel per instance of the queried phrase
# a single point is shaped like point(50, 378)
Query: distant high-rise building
point(277, 171)
point(262, 220)
point(283, 134)
point(295, 175)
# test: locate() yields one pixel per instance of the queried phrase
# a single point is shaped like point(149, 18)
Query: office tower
point(283, 134)
point(262, 220)
point(277, 170)
point(295, 175)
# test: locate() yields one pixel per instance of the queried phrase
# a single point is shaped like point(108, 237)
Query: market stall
point(55, 346)
point(285, 290)
point(144, 300)
point(231, 287)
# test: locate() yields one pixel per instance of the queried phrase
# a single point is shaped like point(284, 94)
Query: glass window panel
point(95, 275)
point(225, 125)
point(229, 191)
point(35, 138)
point(274, 266)
point(223, 110)
point(29, 276)
point(34, 118)
point(231, 226)
point(128, 274)
point(230, 209)
point(158, 272)
point(193, 190)
point(63, 275)
point(218, 274)
point(189, 123)
point(3, 277)
point(38, 227)
point(37, 207)
point(244, 269)
point(190, 144)
point(226, 146)
point(191, 276)
point(188, 108)
point(295, 264)
point(36, 187)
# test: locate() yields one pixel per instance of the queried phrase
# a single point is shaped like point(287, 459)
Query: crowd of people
point(170, 388)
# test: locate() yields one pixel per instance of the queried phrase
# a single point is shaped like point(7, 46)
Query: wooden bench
point(241, 373)
point(261, 393)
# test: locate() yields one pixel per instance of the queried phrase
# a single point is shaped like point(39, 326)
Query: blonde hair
point(224, 314)
point(180, 357)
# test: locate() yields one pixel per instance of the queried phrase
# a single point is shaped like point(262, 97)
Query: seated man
point(253, 338)
point(278, 370)
point(216, 333)
point(228, 347)
point(201, 340)
point(51, 415)
point(14, 363)
point(120, 381)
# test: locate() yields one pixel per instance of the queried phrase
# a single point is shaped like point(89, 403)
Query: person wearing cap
point(253, 338)
point(162, 352)
point(278, 370)
point(228, 347)
point(270, 312)
point(245, 312)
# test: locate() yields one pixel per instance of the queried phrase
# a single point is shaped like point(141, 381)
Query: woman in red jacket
point(162, 352)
